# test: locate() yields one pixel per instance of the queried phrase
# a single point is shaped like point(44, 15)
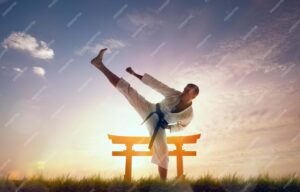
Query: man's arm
point(130, 71)
point(154, 83)
point(138, 76)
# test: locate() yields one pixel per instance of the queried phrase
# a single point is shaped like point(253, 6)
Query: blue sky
point(55, 105)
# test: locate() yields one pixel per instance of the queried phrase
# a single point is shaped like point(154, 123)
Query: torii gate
point(129, 141)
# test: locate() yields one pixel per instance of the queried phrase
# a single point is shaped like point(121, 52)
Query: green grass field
point(228, 183)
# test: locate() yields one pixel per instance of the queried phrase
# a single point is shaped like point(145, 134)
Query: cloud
point(27, 43)
point(140, 23)
point(111, 44)
point(17, 69)
point(39, 71)
point(149, 18)
point(242, 82)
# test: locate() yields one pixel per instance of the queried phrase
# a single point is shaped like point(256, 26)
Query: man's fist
point(164, 124)
point(129, 70)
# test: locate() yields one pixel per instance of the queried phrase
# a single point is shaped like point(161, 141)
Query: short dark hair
point(196, 88)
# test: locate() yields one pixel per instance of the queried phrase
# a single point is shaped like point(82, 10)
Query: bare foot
point(97, 61)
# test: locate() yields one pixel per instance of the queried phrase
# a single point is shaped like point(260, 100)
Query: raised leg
point(97, 62)
point(141, 105)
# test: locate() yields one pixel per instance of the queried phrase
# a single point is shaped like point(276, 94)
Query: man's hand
point(129, 70)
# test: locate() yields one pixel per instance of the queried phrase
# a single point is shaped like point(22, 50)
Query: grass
point(228, 183)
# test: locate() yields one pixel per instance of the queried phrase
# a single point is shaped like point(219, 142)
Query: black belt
point(158, 124)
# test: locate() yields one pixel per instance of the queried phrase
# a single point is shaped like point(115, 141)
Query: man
point(176, 107)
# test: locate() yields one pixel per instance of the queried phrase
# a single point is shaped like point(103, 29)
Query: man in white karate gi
point(176, 106)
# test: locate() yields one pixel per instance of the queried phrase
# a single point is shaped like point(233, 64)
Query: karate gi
point(144, 107)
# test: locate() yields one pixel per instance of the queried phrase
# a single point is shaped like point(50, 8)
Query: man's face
point(189, 91)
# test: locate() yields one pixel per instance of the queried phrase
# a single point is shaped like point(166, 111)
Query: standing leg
point(162, 173)
point(160, 155)
point(97, 62)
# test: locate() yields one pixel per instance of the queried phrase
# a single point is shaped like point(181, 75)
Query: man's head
point(190, 92)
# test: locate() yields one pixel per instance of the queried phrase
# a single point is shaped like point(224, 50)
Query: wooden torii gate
point(129, 141)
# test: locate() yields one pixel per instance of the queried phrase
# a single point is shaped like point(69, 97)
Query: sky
point(57, 109)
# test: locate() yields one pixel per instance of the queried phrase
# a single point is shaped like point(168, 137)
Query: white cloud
point(25, 42)
point(142, 23)
point(92, 49)
point(39, 71)
point(149, 18)
point(111, 44)
point(241, 84)
point(17, 69)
